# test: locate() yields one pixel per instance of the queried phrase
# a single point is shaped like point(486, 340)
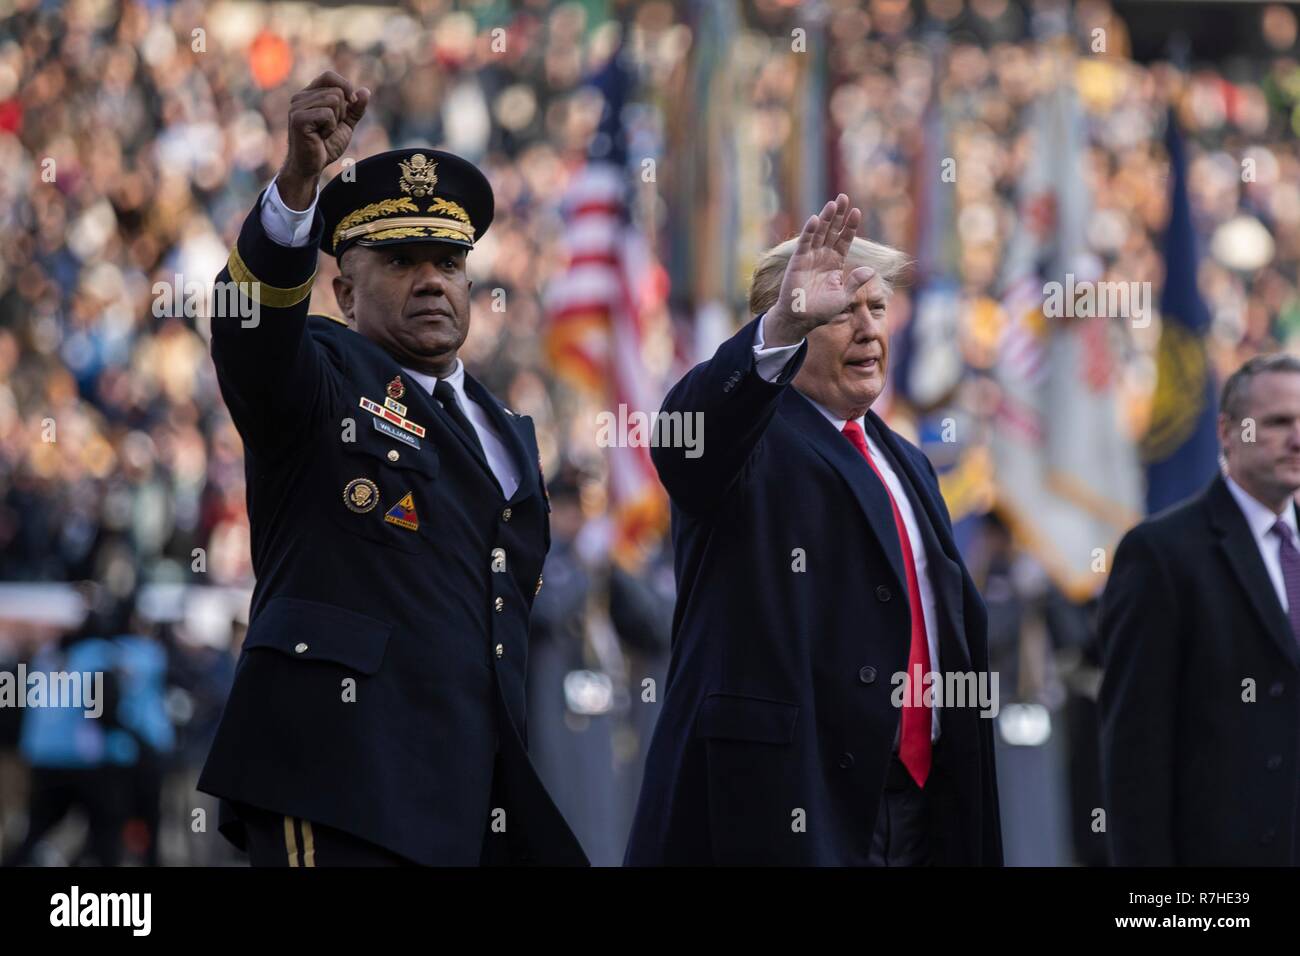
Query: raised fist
point(322, 117)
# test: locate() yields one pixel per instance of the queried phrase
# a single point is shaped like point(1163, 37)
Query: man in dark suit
point(1200, 699)
point(815, 567)
point(399, 524)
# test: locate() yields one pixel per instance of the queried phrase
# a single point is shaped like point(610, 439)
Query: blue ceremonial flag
point(1181, 446)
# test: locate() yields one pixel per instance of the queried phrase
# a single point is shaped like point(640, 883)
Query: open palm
point(815, 288)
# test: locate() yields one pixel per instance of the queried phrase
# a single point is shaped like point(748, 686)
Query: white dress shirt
point(1261, 518)
point(770, 362)
point(291, 227)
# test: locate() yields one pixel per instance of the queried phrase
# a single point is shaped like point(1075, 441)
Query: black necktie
point(444, 393)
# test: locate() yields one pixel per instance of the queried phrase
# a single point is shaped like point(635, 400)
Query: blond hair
point(888, 262)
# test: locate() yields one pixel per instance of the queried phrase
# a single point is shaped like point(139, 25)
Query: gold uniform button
point(501, 650)
point(505, 515)
point(300, 648)
point(539, 586)
point(393, 455)
point(499, 603)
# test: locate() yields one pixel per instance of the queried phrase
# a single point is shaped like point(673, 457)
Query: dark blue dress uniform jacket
point(434, 638)
point(777, 725)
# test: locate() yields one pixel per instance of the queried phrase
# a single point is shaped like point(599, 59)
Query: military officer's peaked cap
point(406, 195)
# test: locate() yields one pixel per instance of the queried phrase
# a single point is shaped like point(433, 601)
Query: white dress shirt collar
point(1259, 516)
point(456, 378)
point(839, 423)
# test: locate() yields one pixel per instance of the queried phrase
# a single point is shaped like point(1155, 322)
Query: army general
point(399, 522)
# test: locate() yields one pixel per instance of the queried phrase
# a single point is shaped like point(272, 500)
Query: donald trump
point(816, 570)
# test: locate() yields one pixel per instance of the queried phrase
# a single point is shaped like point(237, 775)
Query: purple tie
point(1290, 574)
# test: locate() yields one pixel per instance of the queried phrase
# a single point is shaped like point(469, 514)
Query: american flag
point(598, 312)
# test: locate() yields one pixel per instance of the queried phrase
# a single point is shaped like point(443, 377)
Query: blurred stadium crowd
point(134, 137)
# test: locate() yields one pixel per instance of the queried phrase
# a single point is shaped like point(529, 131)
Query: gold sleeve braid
point(270, 296)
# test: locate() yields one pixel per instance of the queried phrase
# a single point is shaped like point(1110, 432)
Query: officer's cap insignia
point(419, 176)
point(361, 495)
point(403, 514)
point(395, 388)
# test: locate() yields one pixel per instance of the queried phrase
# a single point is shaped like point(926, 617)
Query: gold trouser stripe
point(308, 845)
point(290, 841)
point(268, 295)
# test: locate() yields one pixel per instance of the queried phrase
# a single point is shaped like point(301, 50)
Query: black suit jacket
point(384, 665)
point(1200, 701)
point(777, 710)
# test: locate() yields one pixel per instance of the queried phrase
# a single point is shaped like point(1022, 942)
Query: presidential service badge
point(361, 495)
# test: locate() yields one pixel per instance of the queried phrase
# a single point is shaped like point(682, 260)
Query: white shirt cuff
point(288, 227)
point(771, 361)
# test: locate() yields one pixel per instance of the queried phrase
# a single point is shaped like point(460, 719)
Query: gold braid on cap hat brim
point(378, 220)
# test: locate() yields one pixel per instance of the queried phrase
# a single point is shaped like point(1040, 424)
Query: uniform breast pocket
point(384, 491)
point(312, 631)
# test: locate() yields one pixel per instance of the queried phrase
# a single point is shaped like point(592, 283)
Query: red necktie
point(914, 741)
